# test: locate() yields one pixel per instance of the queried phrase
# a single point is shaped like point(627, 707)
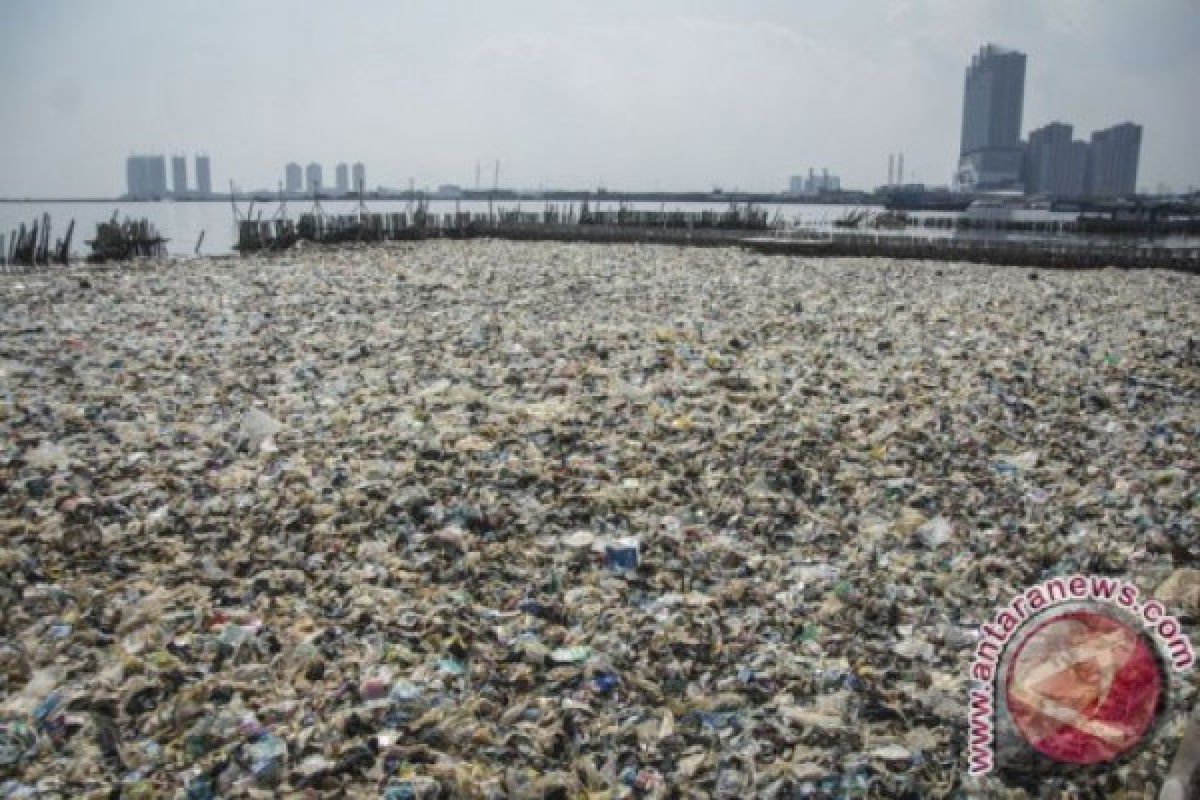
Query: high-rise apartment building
point(342, 178)
point(146, 177)
point(1055, 162)
point(133, 176)
point(990, 155)
point(179, 176)
point(312, 178)
point(293, 177)
point(203, 177)
point(360, 177)
point(1113, 160)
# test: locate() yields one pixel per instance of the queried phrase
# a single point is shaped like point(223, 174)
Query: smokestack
point(891, 169)
point(900, 168)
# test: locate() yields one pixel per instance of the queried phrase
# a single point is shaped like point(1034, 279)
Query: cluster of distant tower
point(993, 157)
point(814, 183)
point(146, 178)
point(307, 180)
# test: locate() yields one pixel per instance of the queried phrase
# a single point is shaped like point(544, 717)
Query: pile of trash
point(529, 520)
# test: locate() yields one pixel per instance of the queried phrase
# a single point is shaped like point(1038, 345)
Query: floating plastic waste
point(494, 519)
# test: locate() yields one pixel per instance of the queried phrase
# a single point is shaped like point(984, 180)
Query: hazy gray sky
point(670, 94)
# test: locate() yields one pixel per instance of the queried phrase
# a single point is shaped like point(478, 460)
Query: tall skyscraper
point(203, 177)
point(1055, 163)
point(133, 176)
point(994, 96)
point(157, 174)
point(179, 176)
point(312, 175)
point(342, 178)
point(146, 177)
point(1113, 160)
point(293, 177)
point(360, 177)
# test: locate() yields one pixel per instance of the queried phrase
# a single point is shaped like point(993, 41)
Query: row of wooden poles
point(116, 240)
point(30, 247)
point(1081, 226)
point(120, 240)
point(1045, 253)
point(281, 232)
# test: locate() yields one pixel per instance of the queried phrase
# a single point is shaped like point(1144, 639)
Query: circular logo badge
point(1083, 687)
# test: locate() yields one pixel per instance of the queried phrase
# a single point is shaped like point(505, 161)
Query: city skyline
point(677, 96)
point(993, 155)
